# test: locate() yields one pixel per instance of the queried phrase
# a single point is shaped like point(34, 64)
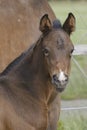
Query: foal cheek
point(50, 65)
point(68, 67)
point(47, 64)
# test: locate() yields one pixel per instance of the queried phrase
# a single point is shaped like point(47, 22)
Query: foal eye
point(46, 52)
point(71, 52)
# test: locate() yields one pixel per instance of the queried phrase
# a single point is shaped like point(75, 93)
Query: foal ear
point(45, 24)
point(69, 24)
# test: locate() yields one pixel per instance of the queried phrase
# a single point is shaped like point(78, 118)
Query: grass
point(76, 120)
point(77, 87)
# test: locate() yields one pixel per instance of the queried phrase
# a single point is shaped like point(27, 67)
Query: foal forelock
point(57, 24)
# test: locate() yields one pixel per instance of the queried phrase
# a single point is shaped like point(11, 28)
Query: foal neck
point(32, 75)
point(42, 75)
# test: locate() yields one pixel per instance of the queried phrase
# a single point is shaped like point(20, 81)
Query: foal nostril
point(66, 77)
point(55, 78)
point(61, 79)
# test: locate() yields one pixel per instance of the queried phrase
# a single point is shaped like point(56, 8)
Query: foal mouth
point(59, 86)
point(60, 81)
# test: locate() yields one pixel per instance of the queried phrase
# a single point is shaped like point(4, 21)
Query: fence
point(79, 50)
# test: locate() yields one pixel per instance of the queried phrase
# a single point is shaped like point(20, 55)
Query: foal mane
point(20, 58)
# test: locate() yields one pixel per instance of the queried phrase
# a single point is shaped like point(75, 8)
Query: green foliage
point(60, 125)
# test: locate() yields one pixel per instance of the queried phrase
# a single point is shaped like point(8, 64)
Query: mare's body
point(16, 61)
point(17, 31)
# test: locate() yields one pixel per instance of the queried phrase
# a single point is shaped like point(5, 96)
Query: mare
point(16, 61)
point(17, 19)
point(30, 91)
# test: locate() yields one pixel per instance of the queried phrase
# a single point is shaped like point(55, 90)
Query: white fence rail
point(73, 105)
point(73, 108)
point(80, 49)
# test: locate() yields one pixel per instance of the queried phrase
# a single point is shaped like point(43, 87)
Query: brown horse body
point(19, 26)
point(29, 92)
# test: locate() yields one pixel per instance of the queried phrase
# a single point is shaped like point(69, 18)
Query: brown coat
point(29, 91)
point(19, 23)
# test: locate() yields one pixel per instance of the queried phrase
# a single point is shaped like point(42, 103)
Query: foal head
point(57, 49)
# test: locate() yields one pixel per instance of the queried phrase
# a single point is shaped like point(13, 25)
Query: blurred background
point(75, 95)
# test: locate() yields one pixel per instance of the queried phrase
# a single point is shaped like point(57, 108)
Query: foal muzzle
point(60, 81)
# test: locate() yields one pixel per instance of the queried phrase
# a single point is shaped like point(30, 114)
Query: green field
point(77, 87)
point(76, 120)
